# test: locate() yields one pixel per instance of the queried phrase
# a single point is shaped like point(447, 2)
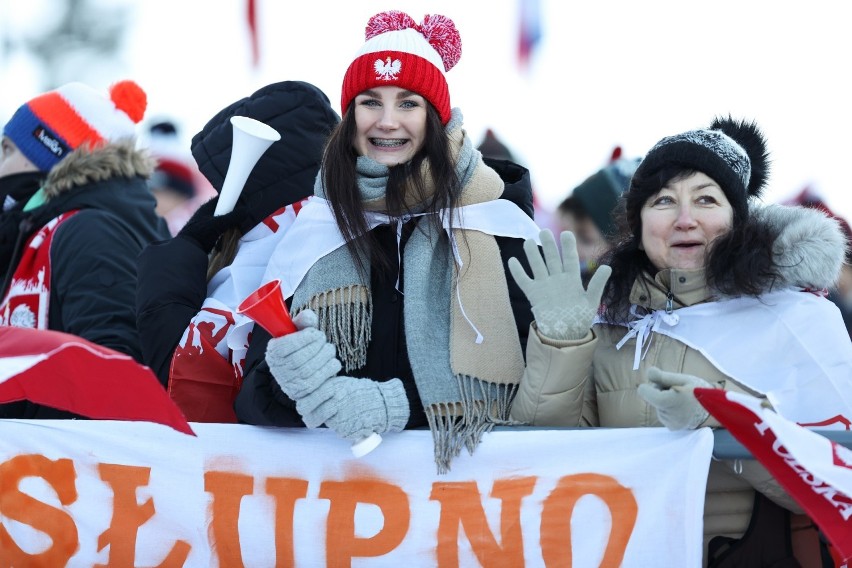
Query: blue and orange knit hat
point(399, 52)
point(54, 124)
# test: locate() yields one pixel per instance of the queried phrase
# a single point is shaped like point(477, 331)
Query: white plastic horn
point(251, 140)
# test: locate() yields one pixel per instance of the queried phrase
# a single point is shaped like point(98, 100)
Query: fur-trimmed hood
point(111, 178)
point(810, 248)
point(85, 166)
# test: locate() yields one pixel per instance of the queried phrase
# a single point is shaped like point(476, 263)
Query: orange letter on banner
point(461, 505)
point(341, 545)
point(228, 490)
point(55, 523)
point(128, 515)
point(286, 491)
point(559, 507)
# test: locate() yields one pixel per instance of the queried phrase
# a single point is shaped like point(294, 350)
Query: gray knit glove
point(301, 361)
point(355, 408)
point(563, 309)
point(671, 395)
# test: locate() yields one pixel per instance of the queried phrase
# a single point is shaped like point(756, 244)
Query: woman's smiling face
point(390, 124)
point(681, 221)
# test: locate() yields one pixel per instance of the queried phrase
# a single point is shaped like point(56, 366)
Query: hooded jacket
point(261, 401)
point(173, 273)
point(93, 253)
point(590, 382)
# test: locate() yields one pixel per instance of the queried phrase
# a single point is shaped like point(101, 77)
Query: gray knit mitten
point(672, 397)
point(563, 309)
point(301, 361)
point(355, 408)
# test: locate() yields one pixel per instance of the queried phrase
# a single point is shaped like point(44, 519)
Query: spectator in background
point(497, 155)
point(190, 286)
point(173, 182)
point(73, 267)
point(492, 147)
point(841, 294)
point(589, 211)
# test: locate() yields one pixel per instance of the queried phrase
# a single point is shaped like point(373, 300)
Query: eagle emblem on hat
point(387, 70)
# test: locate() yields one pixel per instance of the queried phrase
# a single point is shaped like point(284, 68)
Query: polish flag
point(251, 21)
point(529, 33)
point(68, 373)
point(814, 470)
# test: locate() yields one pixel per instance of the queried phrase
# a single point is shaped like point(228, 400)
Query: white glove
point(563, 309)
point(671, 395)
point(301, 361)
point(355, 408)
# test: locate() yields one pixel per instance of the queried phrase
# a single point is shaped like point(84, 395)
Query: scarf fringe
point(451, 431)
point(346, 317)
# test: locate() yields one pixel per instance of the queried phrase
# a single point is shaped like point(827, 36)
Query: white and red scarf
point(207, 367)
point(27, 302)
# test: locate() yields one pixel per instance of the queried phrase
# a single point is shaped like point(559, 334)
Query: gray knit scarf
point(466, 387)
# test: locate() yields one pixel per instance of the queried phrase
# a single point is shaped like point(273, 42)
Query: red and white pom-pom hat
point(400, 52)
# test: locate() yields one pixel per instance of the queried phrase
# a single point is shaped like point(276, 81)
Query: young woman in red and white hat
point(396, 266)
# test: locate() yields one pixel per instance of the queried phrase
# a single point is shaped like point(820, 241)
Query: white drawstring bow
point(643, 328)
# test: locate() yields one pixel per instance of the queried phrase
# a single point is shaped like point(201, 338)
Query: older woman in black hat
point(706, 289)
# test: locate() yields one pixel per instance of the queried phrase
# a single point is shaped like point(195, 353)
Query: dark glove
point(204, 229)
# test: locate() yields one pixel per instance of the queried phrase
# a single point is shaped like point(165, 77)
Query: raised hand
point(562, 307)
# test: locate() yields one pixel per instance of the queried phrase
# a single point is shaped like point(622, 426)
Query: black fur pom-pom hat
point(732, 152)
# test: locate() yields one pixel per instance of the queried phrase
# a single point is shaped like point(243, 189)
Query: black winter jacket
point(15, 191)
point(262, 402)
point(172, 274)
point(93, 254)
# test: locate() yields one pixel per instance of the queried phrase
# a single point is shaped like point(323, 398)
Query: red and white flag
point(69, 373)
point(814, 470)
point(529, 30)
point(251, 21)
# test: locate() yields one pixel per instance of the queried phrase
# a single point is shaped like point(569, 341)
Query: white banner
point(128, 494)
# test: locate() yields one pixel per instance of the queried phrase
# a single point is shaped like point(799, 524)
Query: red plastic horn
point(266, 306)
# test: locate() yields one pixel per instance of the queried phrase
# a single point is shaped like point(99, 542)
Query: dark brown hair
point(739, 263)
point(340, 183)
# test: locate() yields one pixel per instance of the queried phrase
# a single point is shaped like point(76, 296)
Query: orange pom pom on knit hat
point(400, 52)
point(54, 124)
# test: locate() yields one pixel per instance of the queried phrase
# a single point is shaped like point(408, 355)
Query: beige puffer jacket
point(590, 382)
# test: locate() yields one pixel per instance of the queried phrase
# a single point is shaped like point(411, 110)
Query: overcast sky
point(605, 73)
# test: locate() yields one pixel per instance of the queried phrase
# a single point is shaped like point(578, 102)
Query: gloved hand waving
point(204, 228)
point(563, 309)
point(672, 397)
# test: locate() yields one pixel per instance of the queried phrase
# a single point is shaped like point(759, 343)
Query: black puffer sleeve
point(171, 288)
